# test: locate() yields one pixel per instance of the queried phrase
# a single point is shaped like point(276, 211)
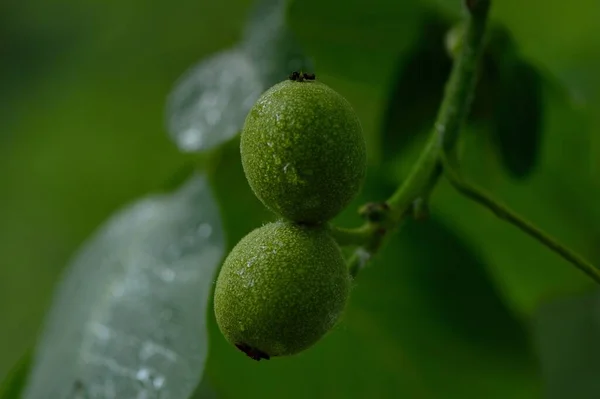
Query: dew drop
point(143, 374)
point(213, 116)
point(204, 230)
point(173, 252)
point(167, 275)
point(192, 138)
point(158, 382)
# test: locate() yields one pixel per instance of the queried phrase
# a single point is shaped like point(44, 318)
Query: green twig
point(426, 171)
point(453, 110)
point(478, 195)
point(438, 155)
point(350, 237)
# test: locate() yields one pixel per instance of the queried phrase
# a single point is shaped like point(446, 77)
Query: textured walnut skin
point(303, 151)
point(280, 289)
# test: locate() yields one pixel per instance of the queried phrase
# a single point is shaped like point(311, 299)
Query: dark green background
point(446, 311)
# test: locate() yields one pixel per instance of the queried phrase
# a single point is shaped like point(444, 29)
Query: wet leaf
point(567, 330)
point(209, 103)
point(231, 189)
point(128, 319)
point(270, 43)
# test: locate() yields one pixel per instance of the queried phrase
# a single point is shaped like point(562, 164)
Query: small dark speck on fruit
point(252, 353)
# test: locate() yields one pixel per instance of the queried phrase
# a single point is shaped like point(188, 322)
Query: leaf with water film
point(271, 44)
point(128, 319)
point(209, 103)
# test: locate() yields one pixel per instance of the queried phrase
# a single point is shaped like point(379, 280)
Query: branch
point(453, 110)
point(437, 156)
point(476, 194)
point(358, 236)
point(384, 217)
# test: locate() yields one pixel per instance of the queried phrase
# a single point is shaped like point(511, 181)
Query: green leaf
point(517, 106)
point(357, 50)
point(560, 198)
point(417, 87)
point(424, 320)
point(14, 383)
point(79, 145)
point(128, 319)
point(566, 330)
point(508, 98)
point(271, 44)
point(517, 121)
point(353, 41)
point(208, 104)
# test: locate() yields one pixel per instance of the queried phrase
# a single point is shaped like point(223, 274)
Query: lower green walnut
point(281, 289)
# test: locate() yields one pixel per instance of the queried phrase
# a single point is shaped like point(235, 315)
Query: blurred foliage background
point(460, 306)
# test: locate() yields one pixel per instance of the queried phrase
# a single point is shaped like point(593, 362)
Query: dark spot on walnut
point(252, 353)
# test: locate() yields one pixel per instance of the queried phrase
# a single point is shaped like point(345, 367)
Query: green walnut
point(281, 289)
point(303, 150)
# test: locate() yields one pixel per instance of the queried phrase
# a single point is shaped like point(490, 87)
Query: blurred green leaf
point(128, 318)
point(270, 43)
point(566, 332)
point(517, 105)
point(354, 41)
point(526, 271)
point(559, 197)
point(209, 103)
point(424, 321)
point(508, 97)
point(417, 87)
point(86, 136)
point(14, 383)
point(356, 49)
point(29, 52)
point(517, 123)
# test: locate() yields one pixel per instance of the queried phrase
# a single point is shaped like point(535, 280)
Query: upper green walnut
point(303, 151)
point(280, 289)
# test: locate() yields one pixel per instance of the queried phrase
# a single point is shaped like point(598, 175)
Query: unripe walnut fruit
point(303, 151)
point(281, 288)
